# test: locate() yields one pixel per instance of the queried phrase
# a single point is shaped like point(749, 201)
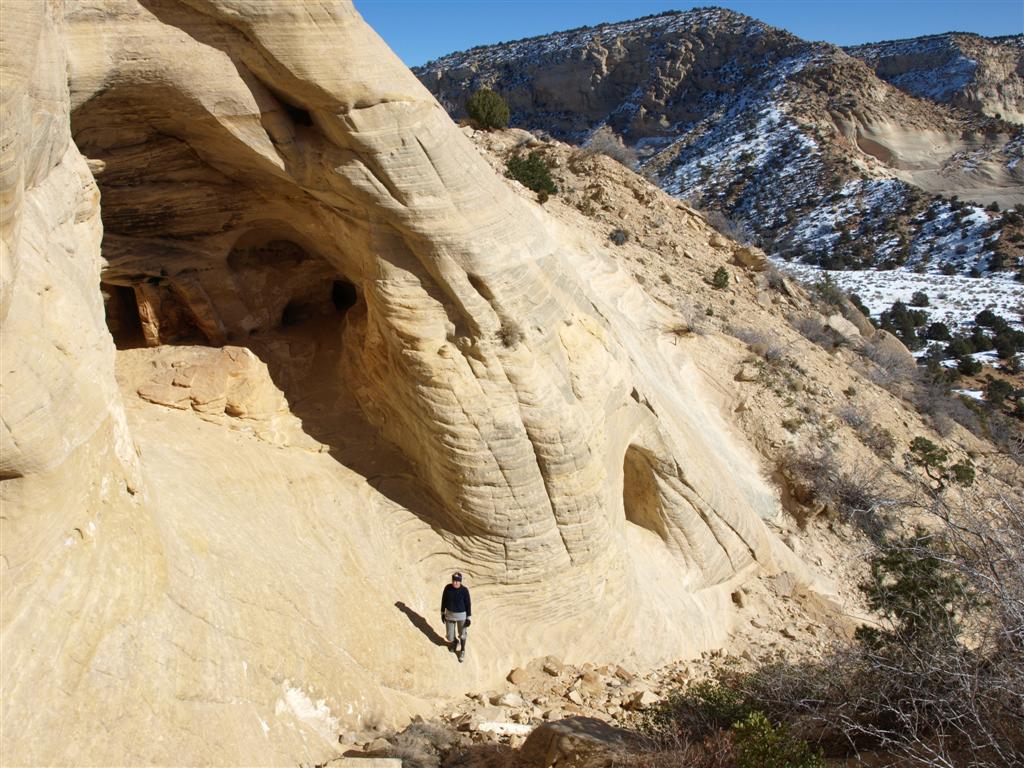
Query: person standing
point(456, 610)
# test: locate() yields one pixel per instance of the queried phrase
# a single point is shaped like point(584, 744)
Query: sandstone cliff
point(985, 74)
point(227, 556)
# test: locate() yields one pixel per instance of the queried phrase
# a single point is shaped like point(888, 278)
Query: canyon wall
point(350, 359)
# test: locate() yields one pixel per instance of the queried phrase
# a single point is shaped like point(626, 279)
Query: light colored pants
point(451, 626)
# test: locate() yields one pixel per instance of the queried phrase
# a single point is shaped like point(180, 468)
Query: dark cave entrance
point(285, 285)
point(343, 296)
point(150, 313)
point(641, 496)
point(122, 312)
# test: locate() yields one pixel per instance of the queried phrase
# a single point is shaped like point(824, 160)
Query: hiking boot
point(462, 655)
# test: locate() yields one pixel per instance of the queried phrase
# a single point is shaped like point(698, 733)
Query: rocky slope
point(785, 393)
point(803, 147)
point(984, 74)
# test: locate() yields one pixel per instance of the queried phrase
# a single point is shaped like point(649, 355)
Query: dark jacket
point(456, 600)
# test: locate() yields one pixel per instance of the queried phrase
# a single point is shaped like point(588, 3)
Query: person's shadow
point(421, 624)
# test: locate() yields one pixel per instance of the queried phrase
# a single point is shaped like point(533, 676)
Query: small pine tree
point(933, 458)
point(913, 585)
point(997, 390)
point(968, 366)
point(487, 109)
point(721, 278)
point(986, 318)
point(937, 331)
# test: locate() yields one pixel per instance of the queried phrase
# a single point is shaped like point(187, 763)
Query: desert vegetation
point(532, 172)
point(487, 109)
point(938, 680)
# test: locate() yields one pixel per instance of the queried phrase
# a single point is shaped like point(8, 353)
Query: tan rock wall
point(57, 387)
point(242, 601)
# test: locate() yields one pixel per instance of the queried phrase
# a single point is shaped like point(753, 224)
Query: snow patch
point(952, 299)
point(974, 394)
point(317, 715)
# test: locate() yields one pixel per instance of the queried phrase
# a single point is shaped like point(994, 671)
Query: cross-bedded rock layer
point(485, 384)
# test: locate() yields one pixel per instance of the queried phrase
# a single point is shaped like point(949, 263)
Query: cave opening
point(641, 497)
point(150, 313)
point(298, 115)
point(296, 312)
point(122, 313)
point(284, 285)
point(319, 301)
point(343, 296)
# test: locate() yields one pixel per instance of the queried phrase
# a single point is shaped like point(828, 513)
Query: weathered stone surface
point(750, 257)
point(492, 399)
point(552, 666)
point(843, 327)
point(748, 373)
point(890, 352)
point(641, 699)
point(855, 316)
point(571, 740)
point(508, 699)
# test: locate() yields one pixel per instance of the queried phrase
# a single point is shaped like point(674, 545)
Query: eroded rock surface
point(486, 383)
point(985, 74)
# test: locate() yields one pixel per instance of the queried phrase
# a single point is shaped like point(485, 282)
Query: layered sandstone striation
point(350, 358)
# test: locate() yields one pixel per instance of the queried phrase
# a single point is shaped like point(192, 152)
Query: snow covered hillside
point(796, 146)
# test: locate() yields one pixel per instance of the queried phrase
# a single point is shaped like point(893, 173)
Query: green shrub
point(903, 323)
point(914, 586)
point(933, 458)
point(721, 278)
point(988, 319)
point(533, 173)
point(759, 744)
point(997, 390)
point(827, 290)
point(1007, 343)
point(487, 109)
point(927, 454)
point(696, 712)
point(919, 299)
point(968, 366)
point(938, 331)
point(959, 346)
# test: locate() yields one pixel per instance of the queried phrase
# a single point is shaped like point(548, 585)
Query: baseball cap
point(456, 576)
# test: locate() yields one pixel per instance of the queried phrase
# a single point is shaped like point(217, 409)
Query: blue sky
point(420, 30)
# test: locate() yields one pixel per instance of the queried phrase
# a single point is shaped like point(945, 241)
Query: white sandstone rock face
point(486, 384)
point(57, 385)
